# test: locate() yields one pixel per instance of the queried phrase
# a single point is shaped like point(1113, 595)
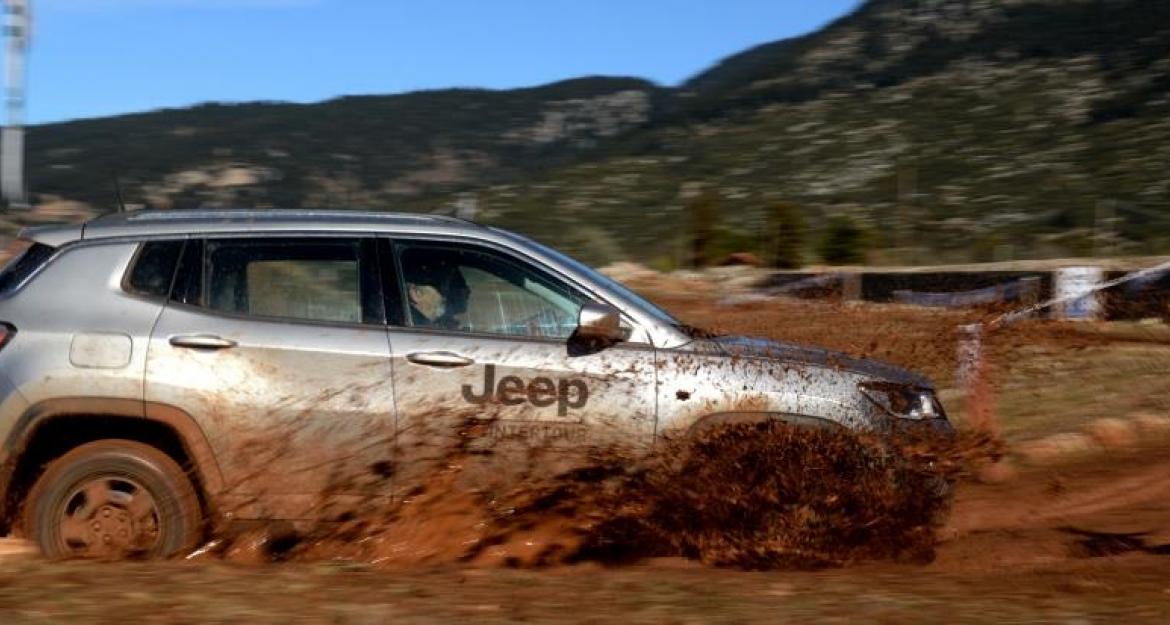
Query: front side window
point(620, 289)
point(317, 280)
point(479, 291)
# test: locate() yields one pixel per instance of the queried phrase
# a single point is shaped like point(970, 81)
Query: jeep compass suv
point(162, 368)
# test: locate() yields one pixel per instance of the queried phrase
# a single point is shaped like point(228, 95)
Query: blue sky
point(101, 57)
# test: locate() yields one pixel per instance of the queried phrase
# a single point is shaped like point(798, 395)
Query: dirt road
point(1008, 555)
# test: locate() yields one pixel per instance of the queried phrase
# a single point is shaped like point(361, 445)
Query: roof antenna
point(118, 194)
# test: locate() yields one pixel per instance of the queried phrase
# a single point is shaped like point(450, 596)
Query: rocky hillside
point(954, 130)
point(949, 129)
point(370, 150)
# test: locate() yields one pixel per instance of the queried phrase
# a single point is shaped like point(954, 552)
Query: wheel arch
point(51, 428)
point(716, 419)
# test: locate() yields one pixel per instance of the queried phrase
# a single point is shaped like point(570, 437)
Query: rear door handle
point(439, 359)
point(201, 341)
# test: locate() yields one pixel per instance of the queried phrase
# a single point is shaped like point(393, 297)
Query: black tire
point(113, 499)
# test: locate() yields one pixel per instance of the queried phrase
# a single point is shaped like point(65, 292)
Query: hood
point(748, 347)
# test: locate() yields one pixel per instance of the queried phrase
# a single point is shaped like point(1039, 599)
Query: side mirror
point(599, 325)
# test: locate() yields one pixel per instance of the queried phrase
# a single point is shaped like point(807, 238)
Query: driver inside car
point(437, 293)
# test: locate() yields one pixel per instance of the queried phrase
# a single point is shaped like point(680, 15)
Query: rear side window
point(318, 280)
point(24, 265)
point(154, 268)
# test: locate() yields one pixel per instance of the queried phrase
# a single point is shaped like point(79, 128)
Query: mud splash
point(754, 496)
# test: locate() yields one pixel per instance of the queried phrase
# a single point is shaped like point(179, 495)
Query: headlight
point(899, 400)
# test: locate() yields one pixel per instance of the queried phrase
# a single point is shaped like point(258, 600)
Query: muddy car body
point(157, 366)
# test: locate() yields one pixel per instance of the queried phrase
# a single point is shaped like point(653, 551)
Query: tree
point(703, 215)
point(784, 241)
point(845, 242)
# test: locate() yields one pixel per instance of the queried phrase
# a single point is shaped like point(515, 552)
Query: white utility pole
point(16, 34)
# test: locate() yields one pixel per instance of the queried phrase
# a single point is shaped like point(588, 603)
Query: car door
point(276, 347)
point(496, 346)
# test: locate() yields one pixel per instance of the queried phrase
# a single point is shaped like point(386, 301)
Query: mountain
point(953, 130)
point(949, 129)
point(368, 149)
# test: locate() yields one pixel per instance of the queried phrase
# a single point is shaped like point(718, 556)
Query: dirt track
point(1029, 522)
point(1004, 557)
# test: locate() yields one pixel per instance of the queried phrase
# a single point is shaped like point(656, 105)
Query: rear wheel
point(113, 499)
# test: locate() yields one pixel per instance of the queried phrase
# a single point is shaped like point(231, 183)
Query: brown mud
point(1096, 506)
point(1007, 555)
point(754, 496)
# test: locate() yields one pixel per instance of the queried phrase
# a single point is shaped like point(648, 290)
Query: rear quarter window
point(23, 265)
point(154, 268)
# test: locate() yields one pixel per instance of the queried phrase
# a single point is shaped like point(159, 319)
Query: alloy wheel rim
point(109, 517)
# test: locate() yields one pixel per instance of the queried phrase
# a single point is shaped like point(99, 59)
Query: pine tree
point(703, 215)
point(785, 239)
point(845, 242)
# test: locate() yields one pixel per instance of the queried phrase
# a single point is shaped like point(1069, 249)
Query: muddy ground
point(1075, 538)
point(1007, 556)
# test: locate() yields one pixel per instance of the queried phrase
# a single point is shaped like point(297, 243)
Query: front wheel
point(113, 499)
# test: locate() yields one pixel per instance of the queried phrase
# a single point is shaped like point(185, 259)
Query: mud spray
point(753, 495)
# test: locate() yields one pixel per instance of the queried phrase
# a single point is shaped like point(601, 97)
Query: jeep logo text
point(540, 392)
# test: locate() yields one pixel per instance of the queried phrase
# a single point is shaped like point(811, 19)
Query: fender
point(190, 434)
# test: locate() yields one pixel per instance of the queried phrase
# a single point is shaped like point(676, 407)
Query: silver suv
point(160, 369)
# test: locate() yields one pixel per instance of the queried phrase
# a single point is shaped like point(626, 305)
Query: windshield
point(609, 283)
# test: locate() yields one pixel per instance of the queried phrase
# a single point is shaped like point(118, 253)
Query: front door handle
point(439, 359)
point(201, 341)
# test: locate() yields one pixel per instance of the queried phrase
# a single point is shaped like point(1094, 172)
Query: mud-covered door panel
point(531, 390)
point(486, 335)
point(274, 348)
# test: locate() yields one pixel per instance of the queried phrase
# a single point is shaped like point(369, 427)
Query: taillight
point(7, 331)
